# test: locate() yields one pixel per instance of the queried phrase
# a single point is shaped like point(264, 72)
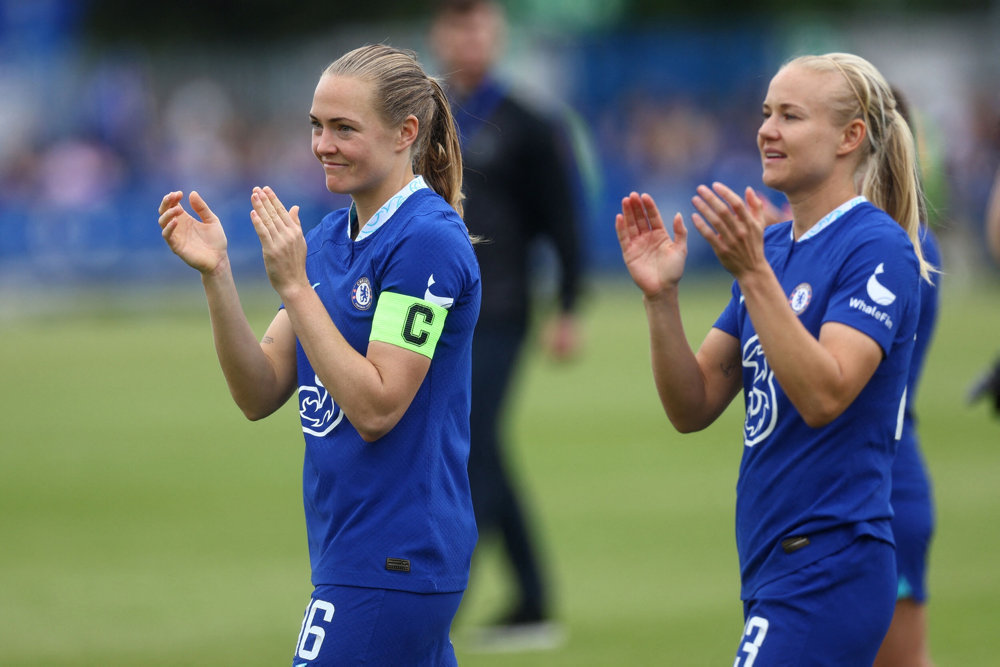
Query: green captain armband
point(408, 322)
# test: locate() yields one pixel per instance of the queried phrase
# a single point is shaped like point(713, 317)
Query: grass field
point(144, 522)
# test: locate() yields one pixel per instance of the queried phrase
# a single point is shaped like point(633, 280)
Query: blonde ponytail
point(889, 172)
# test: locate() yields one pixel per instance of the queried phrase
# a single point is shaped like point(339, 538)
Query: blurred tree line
point(165, 22)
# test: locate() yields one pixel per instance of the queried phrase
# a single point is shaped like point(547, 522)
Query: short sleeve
point(433, 262)
point(728, 321)
point(876, 287)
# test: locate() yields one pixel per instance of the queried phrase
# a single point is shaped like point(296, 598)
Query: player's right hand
point(199, 242)
point(654, 260)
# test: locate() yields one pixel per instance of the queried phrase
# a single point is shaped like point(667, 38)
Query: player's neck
point(368, 202)
point(809, 208)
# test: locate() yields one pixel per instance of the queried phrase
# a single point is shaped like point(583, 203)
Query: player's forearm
point(248, 371)
point(361, 389)
point(808, 374)
point(677, 374)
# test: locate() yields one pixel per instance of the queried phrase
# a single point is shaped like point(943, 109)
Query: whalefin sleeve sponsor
point(876, 291)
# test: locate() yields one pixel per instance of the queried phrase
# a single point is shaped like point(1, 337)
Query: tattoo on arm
point(727, 369)
point(266, 340)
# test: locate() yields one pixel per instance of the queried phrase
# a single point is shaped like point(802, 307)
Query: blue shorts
point(347, 625)
point(912, 527)
point(832, 612)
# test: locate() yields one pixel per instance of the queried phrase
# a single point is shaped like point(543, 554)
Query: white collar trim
point(385, 212)
point(828, 219)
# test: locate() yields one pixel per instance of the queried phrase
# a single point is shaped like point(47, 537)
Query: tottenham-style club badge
point(800, 297)
point(361, 295)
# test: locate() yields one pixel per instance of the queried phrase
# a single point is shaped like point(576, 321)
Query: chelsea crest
point(361, 295)
point(800, 297)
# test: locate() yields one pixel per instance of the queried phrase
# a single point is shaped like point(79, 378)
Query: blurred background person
point(993, 220)
point(519, 189)
point(988, 385)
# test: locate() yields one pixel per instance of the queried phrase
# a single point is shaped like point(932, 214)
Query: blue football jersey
point(909, 475)
point(823, 487)
point(395, 513)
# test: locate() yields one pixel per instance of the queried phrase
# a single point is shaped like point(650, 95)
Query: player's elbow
point(683, 427)
point(262, 402)
point(370, 433)
point(686, 421)
point(372, 426)
point(255, 410)
point(371, 436)
point(373, 415)
point(819, 413)
point(814, 420)
point(689, 416)
point(255, 413)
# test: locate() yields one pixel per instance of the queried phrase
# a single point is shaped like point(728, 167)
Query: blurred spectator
point(518, 191)
point(18, 118)
point(201, 126)
point(988, 385)
point(121, 108)
point(993, 220)
point(975, 161)
point(63, 75)
point(672, 147)
point(79, 172)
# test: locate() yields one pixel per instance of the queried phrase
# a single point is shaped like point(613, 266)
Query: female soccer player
point(379, 303)
point(906, 643)
point(820, 330)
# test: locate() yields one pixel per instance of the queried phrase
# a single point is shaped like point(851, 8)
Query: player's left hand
point(281, 240)
point(561, 337)
point(774, 214)
point(733, 227)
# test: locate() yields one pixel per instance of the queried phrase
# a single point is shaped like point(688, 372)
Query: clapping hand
point(654, 259)
point(733, 227)
point(281, 240)
point(199, 242)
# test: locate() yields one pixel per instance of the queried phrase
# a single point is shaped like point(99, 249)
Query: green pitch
point(143, 521)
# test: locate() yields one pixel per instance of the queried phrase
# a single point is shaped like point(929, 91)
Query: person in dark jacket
point(519, 187)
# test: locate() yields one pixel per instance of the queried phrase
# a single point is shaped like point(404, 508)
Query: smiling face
point(361, 156)
point(801, 145)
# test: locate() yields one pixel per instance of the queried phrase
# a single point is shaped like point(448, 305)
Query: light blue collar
point(828, 219)
point(383, 214)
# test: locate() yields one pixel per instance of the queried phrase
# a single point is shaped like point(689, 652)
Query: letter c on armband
point(409, 334)
point(408, 322)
